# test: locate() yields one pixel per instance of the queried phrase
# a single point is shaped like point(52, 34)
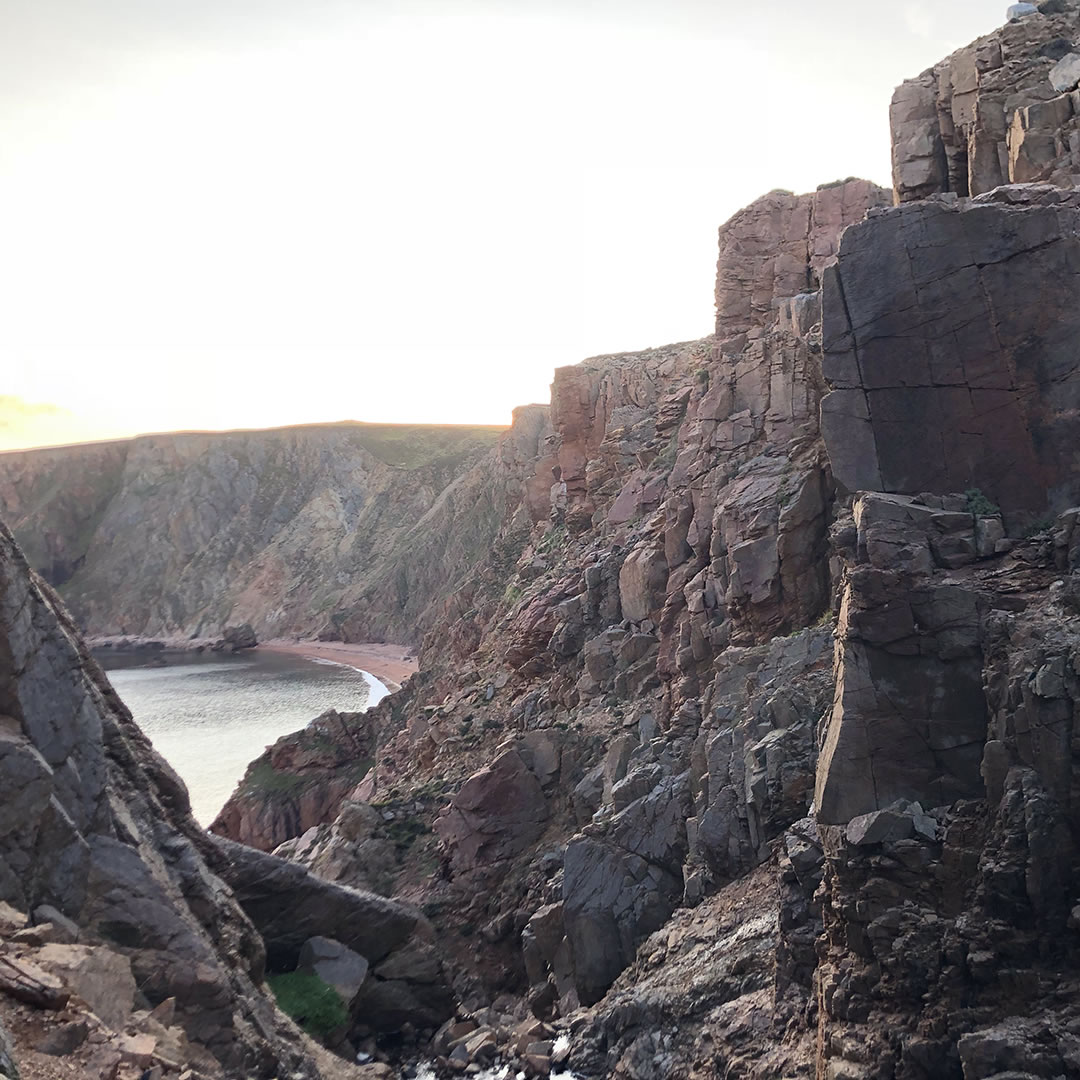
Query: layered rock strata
point(299, 531)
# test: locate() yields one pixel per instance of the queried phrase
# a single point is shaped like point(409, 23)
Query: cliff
point(300, 531)
point(759, 761)
point(754, 754)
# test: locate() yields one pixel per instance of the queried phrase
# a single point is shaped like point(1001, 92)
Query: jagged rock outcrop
point(289, 906)
point(991, 113)
point(94, 824)
point(752, 737)
point(777, 248)
point(299, 782)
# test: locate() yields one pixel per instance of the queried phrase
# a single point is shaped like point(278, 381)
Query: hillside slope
point(300, 531)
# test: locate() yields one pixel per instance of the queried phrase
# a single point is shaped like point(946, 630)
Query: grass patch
point(979, 505)
point(412, 446)
point(314, 1005)
point(263, 779)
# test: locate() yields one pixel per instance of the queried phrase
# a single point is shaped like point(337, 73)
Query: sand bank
point(390, 664)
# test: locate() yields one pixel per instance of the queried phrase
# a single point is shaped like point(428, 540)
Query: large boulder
point(946, 375)
point(290, 906)
point(496, 815)
point(620, 886)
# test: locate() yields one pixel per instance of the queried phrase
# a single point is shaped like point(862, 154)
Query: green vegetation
point(979, 505)
point(1044, 524)
point(262, 778)
point(412, 446)
point(702, 376)
point(404, 832)
point(552, 539)
point(314, 1005)
point(512, 595)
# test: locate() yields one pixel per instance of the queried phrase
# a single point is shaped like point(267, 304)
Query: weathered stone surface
point(101, 977)
point(105, 837)
point(778, 247)
point(619, 889)
point(977, 119)
point(944, 378)
point(1065, 74)
point(244, 527)
point(311, 772)
point(289, 906)
point(909, 718)
point(497, 813)
point(338, 966)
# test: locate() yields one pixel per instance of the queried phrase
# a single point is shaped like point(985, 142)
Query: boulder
point(495, 815)
point(237, 638)
point(405, 983)
point(642, 580)
point(101, 977)
point(337, 966)
point(1065, 74)
point(941, 371)
point(289, 906)
point(619, 888)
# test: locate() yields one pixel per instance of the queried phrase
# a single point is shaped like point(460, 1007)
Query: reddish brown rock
point(990, 114)
point(299, 782)
point(497, 813)
point(777, 248)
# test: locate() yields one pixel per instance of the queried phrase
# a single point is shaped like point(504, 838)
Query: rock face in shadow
point(949, 344)
point(94, 824)
point(289, 906)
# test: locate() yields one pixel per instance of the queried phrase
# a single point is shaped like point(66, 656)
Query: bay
point(210, 716)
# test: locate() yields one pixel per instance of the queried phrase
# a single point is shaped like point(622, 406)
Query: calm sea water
point(210, 716)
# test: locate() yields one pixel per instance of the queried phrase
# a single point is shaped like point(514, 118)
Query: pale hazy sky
point(235, 213)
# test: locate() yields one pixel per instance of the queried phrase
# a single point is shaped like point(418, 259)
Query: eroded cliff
point(752, 755)
point(760, 760)
point(345, 530)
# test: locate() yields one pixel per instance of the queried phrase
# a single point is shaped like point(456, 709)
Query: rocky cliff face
point(98, 845)
point(1003, 110)
point(759, 760)
point(299, 531)
point(97, 828)
point(752, 753)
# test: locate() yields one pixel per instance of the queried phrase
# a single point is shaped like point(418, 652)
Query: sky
point(246, 213)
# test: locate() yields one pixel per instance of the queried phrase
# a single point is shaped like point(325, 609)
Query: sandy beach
point(390, 664)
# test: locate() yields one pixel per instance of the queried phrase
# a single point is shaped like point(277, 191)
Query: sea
point(210, 715)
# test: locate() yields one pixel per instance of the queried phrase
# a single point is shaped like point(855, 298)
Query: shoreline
point(392, 665)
